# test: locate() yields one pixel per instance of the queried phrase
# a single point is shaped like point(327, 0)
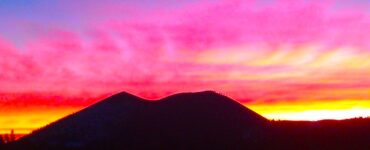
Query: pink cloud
point(132, 54)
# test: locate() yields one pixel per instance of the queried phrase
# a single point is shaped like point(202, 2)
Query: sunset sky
point(285, 59)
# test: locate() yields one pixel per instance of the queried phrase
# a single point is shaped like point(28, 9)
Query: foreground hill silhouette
point(203, 120)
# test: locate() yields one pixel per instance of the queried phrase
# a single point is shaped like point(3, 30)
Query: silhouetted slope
point(203, 120)
point(97, 122)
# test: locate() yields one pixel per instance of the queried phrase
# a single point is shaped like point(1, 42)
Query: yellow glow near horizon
point(314, 115)
point(313, 111)
point(26, 122)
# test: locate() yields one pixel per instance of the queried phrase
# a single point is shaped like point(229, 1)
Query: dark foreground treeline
point(350, 134)
point(187, 121)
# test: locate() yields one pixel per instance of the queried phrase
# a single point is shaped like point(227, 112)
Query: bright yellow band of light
point(313, 111)
point(26, 122)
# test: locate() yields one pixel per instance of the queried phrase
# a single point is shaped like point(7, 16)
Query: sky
point(284, 59)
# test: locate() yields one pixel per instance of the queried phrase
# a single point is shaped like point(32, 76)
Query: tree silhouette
point(12, 136)
point(9, 137)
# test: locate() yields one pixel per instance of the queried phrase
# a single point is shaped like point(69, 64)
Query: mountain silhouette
point(182, 121)
point(202, 120)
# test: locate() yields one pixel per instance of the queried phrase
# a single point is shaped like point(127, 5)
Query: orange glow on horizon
point(313, 111)
point(24, 122)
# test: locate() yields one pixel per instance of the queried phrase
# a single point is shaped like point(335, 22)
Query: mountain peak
point(208, 92)
point(125, 95)
point(122, 97)
point(126, 119)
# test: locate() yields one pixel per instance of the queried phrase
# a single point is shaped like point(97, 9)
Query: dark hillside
point(203, 120)
point(183, 121)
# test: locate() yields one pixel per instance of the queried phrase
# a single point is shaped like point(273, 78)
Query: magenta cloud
point(155, 49)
